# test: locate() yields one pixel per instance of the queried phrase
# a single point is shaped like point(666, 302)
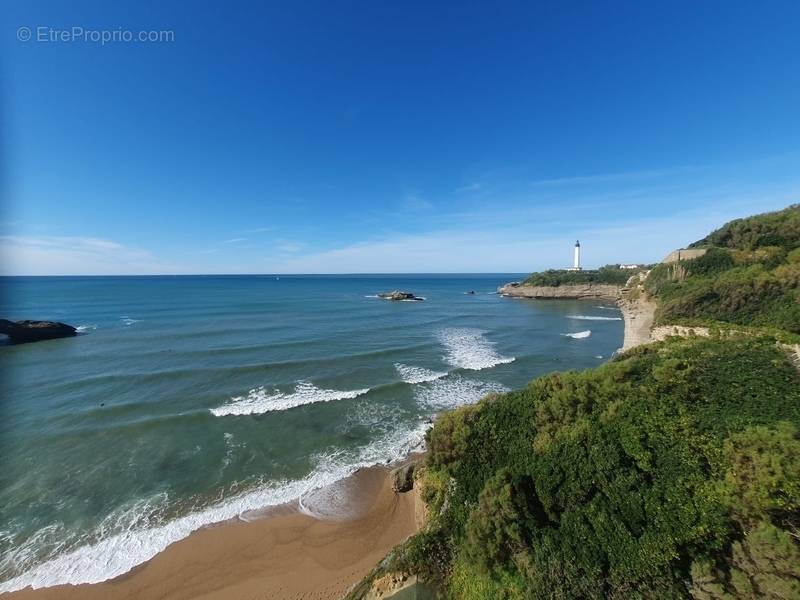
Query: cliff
point(672, 471)
point(638, 315)
point(564, 292)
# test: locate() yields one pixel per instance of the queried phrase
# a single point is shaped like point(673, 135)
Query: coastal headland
point(638, 310)
point(585, 291)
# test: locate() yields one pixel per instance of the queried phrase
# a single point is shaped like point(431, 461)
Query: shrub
point(608, 275)
point(619, 482)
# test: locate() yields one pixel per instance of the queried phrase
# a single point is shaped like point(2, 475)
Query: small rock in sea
point(34, 331)
point(398, 295)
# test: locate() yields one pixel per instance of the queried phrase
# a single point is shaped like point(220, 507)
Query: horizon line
point(274, 274)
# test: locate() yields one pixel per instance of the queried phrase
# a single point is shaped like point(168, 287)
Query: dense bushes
point(780, 228)
point(609, 275)
point(671, 472)
point(635, 480)
point(751, 276)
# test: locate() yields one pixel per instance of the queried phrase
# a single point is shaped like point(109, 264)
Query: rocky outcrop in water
point(398, 295)
point(35, 331)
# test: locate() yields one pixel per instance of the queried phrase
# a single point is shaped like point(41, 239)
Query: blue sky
point(331, 137)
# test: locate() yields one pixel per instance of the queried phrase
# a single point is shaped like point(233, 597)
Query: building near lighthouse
point(576, 264)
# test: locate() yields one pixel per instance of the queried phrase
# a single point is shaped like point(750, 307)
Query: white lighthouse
point(576, 266)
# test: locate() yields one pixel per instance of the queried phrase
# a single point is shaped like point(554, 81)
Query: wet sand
point(288, 554)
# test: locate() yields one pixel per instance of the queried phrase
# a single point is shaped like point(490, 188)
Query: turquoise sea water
point(191, 400)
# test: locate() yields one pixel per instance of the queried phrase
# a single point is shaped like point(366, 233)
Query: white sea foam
point(579, 335)
point(411, 374)
point(259, 400)
point(372, 296)
point(134, 535)
point(231, 448)
point(469, 349)
point(593, 318)
point(128, 321)
point(328, 502)
point(607, 307)
point(454, 391)
point(83, 328)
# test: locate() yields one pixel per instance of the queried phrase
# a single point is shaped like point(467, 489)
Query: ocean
point(190, 400)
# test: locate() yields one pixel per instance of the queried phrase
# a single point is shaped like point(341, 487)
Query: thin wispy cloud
point(290, 247)
point(471, 187)
point(513, 231)
point(416, 203)
point(73, 255)
point(603, 178)
point(524, 247)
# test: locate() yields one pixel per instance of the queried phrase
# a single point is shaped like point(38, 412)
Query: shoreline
point(638, 315)
point(318, 545)
point(288, 553)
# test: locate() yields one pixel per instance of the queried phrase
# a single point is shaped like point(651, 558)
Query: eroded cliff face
point(638, 314)
point(566, 292)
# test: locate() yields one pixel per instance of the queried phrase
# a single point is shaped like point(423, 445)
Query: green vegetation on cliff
point(671, 472)
point(609, 275)
point(776, 229)
point(749, 276)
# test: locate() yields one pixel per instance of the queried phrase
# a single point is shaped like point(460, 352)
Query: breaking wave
point(411, 374)
point(579, 335)
point(469, 349)
point(454, 391)
point(136, 533)
point(593, 318)
point(259, 400)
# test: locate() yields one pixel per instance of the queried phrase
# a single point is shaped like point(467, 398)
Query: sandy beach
point(288, 554)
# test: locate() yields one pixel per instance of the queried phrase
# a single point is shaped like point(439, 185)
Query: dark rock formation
point(34, 331)
point(568, 291)
point(398, 295)
point(403, 478)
